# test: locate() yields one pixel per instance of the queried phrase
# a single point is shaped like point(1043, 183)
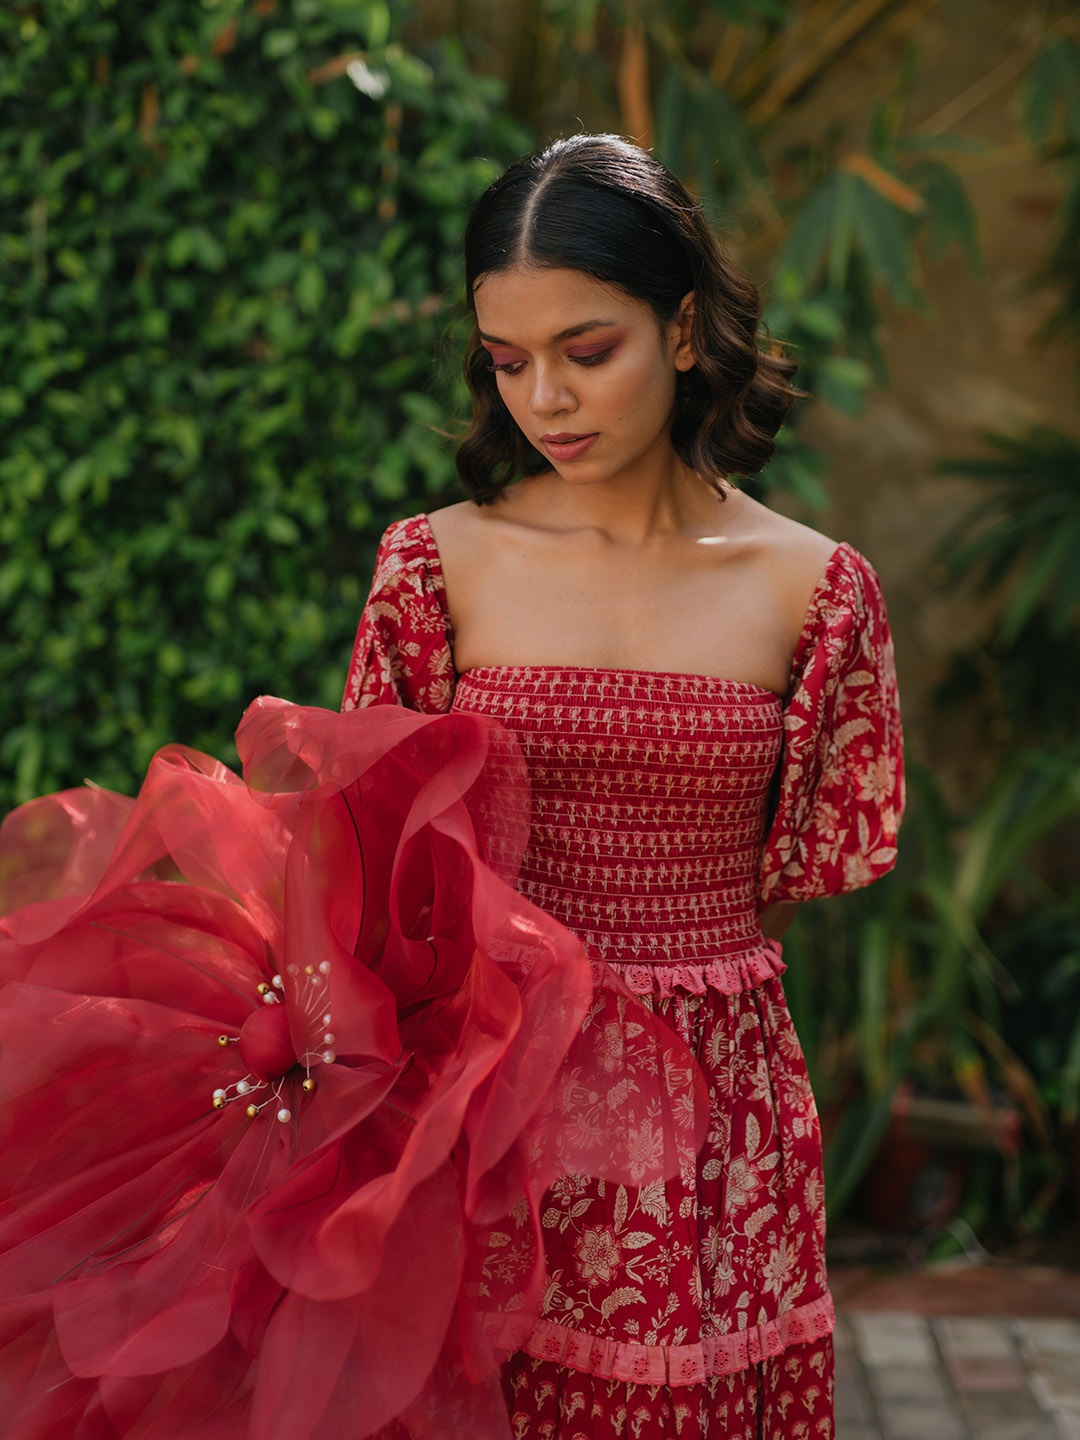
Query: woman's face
point(586, 371)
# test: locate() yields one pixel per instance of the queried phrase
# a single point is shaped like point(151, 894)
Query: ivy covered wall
point(229, 244)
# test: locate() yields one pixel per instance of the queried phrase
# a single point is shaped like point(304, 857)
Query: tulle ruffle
point(275, 1057)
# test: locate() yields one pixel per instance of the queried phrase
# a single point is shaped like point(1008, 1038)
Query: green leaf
point(75, 479)
point(843, 381)
point(1037, 579)
point(1052, 88)
point(884, 234)
point(310, 287)
point(950, 214)
point(279, 44)
point(810, 238)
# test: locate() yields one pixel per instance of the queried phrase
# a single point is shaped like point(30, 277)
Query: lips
point(566, 445)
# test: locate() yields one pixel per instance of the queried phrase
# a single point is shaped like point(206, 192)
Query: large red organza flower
point(275, 1056)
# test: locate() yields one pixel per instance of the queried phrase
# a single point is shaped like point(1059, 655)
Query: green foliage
point(1021, 545)
point(231, 236)
point(835, 221)
point(702, 135)
point(854, 236)
point(1050, 94)
point(1050, 101)
point(936, 960)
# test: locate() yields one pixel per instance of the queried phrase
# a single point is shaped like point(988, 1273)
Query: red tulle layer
point(275, 1054)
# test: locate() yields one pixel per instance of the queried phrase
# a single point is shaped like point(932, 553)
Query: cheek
point(516, 400)
point(642, 391)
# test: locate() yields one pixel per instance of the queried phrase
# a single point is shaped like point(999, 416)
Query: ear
point(682, 329)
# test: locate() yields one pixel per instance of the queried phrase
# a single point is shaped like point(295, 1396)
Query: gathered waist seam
point(672, 1365)
point(728, 975)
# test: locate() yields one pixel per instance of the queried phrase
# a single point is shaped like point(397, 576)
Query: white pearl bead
point(270, 998)
point(329, 1038)
point(277, 982)
point(325, 967)
point(328, 1057)
point(284, 1116)
point(219, 1094)
point(243, 1086)
point(326, 1019)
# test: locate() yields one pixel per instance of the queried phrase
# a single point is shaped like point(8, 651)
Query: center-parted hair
point(604, 207)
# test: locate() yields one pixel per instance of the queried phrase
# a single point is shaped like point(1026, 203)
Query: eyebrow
point(567, 334)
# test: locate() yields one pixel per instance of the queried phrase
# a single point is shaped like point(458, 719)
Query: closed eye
point(596, 358)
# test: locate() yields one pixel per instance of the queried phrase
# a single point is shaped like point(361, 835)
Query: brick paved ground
point(907, 1376)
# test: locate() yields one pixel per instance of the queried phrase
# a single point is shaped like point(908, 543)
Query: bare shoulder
point(459, 531)
point(467, 535)
point(471, 541)
point(792, 557)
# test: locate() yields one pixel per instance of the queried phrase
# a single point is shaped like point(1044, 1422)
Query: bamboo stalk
point(824, 48)
point(980, 90)
point(772, 56)
point(727, 52)
point(893, 189)
point(971, 98)
point(632, 84)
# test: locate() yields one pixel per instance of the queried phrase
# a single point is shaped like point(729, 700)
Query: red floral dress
point(699, 1306)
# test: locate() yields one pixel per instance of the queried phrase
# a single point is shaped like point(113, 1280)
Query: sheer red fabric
point(275, 1057)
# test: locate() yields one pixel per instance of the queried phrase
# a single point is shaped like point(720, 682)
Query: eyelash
point(512, 367)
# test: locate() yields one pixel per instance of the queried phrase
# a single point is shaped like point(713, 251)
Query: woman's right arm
point(402, 654)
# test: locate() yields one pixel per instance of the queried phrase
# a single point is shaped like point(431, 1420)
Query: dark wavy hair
point(604, 207)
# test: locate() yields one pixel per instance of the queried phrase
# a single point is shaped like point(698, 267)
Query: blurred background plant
point(227, 272)
point(230, 246)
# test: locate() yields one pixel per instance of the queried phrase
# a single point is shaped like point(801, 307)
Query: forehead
point(527, 305)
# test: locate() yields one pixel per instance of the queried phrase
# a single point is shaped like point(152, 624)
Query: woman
point(705, 696)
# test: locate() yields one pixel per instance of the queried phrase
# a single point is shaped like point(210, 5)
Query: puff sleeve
point(841, 778)
point(402, 654)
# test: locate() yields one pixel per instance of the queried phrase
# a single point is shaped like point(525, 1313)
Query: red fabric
point(842, 779)
point(789, 1397)
point(168, 1268)
point(841, 774)
point(651, 839)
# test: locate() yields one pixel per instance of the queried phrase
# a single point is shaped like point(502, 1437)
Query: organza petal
point(54, 850)
point(383, 1343)
point(176, 1261)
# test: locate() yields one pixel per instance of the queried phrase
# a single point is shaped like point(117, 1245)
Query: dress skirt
point(696, 1307)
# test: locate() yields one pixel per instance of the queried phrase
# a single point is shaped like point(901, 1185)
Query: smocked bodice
point(648, 813)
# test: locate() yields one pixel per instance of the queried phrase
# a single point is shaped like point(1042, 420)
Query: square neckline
point(822, 586)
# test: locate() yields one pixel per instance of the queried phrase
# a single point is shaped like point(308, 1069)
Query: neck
point(655, 501)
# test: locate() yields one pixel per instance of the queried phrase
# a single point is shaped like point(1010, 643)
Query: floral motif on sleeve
point(402, 654)
point(842, 774)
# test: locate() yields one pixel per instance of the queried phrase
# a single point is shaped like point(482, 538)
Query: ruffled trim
point(729, 976)
point(671, 1365)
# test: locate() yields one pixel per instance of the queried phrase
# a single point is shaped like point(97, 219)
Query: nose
point(550, 395)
